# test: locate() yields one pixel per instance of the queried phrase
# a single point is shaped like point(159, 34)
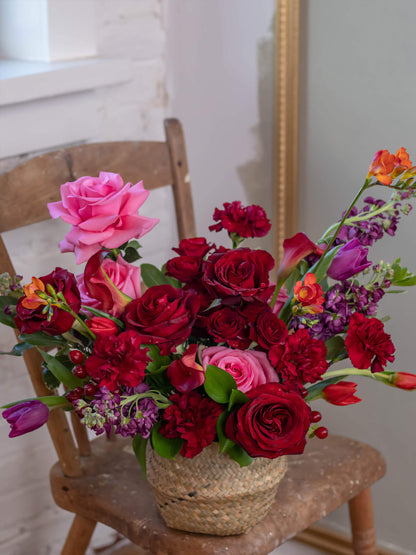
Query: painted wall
point(357, 96)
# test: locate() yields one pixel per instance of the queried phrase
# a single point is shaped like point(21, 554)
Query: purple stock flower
point(349, 260)
point(26, 417)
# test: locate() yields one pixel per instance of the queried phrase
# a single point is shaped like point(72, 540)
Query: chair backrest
point(25, 191)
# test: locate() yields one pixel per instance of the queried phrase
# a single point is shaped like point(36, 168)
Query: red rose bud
point(196, 246)
point(186, 374)
point(341, 393)
point(26, 417)
point(404, 380)
point(102, 326)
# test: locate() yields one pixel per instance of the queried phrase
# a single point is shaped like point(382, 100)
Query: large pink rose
point(112, 283)
point(248, 368)
point(102, 212)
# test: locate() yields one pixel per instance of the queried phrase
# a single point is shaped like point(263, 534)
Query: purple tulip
point(349, 260)
point(26, 417)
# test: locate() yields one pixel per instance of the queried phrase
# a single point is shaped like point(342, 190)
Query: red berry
point(321, 432)
point(76, 356)
point(90, 389)
point(79, 372)
point(316, 416)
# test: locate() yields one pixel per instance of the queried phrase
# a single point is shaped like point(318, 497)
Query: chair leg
point(362, 524)
point(79, 536)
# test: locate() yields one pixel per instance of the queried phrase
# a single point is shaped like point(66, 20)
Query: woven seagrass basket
point(211, 494)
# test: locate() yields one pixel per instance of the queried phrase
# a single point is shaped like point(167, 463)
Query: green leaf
point(239, 455)
point(42, 339)
point(324, 264)
point(139, 448)
point(159, 363)
point(17, 350)
point(7, 319)
point(152, 275)
point(49, 379)
point(51, 401)
point(218, 384)
point(164, 446)
point(97, 312)
point(172, 281)
point(291, 280)
point(335, 346)
point(315, 391)
point(131, 255)
point(401, 276)
point(237, 397)
point(60, 372)
point(223, 440)
point(396, 291)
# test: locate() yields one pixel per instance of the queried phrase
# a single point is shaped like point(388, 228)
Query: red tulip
point(404, 380)
point(341, 393)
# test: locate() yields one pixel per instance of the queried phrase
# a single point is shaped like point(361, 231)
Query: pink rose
point(112, 283)
point(248, 368)
point(102, 212)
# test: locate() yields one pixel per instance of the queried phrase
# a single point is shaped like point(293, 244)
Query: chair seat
point(112, 491)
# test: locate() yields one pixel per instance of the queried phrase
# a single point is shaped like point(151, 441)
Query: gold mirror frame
point(286, 121)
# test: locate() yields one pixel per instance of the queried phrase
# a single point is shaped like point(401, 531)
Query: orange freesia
point(402, 163)
point(32, 299)
point(309, 294)
point(382, 165)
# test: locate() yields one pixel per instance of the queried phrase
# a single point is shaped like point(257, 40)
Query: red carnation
point(272, 423)
point(367, 343)
point(163, 316)
point(300, 358)
point(193, 418)
point(245, 221)
point(118, 360)
point(240, 273)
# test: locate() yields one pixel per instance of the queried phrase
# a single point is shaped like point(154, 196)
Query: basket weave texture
point(211, 494)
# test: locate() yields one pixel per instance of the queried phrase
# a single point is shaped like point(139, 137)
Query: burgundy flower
point(102, 326)
point(193, 418)
point(240, 273)
point(118, 360)
point(26, 417)
point(341, 393)
point(185, 268)
point(197, 246)
point(31, 320)
point(268, 330)
point(294, 250)
point(250, 221)
point(226, 325)
point(367, 343)
point(300, 358)
point(349, 260)
point(274, 422)
point(186, 374)
point(163, 316)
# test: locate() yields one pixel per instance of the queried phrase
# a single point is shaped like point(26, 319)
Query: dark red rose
point(268, 330)
point(300, 358)
point(274, 422)
point(197, 246)
point(163, 316)
point(102, 326)
point(251, 310)
point(117, 360)
point(31, 320)
point(226, 325)
point(186, 374)
point(185, 268)
point(241, 272)
point(367, 343)
point(250, 221)
point(193, 418)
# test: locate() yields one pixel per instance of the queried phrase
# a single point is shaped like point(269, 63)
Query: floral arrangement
point(217, 347)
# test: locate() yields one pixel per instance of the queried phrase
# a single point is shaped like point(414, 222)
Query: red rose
point(31, 320)
point(118, 361)
point(193, 418)
point(163, 316)
point(185, 268)
point(245, 221)
point(300, 358)
point(268, 330)
point(226, 325)
point(186, 374)
point(241, 272)
point(197, 246)
point(102, 326)
point(272, 423)
point(367, 343)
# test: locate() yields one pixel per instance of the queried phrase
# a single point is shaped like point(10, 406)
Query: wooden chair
point(101, 481)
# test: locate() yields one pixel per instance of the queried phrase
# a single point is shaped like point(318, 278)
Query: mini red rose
point(273, 422)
